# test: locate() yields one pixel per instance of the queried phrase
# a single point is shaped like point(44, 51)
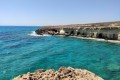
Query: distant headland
point(103, 30)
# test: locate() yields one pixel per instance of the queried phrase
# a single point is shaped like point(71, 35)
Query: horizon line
point(59, 24)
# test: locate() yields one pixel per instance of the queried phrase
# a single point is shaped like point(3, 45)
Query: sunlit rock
point(62, 74)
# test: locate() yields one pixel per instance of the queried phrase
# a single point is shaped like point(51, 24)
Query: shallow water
point(21, 52)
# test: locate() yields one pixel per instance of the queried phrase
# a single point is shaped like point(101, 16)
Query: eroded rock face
point(62, 74)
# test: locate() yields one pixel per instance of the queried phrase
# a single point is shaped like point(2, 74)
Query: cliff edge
point(106, 30)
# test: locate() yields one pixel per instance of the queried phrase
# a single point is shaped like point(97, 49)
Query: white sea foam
point(111, 41)
point(33, 33)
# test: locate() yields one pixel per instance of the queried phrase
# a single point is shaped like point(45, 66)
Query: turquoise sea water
point(21, 53)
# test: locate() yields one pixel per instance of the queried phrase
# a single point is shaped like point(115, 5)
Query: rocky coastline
point(62, 74)
point(105, 30)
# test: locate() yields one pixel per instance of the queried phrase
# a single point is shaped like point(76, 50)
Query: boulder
point(62, 74)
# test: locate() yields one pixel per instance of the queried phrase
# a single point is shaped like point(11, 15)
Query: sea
point(22, 51)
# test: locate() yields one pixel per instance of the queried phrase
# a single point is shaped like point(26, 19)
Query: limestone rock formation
point(105, 30)
point(62, 74)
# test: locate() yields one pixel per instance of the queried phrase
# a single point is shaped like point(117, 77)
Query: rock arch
point(100, 35)
point(78, 33)
point(72, 33)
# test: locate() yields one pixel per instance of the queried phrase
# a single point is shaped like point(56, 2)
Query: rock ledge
point(62, 74)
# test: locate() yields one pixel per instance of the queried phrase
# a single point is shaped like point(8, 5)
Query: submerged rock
point(113, 67)
point(62, 74)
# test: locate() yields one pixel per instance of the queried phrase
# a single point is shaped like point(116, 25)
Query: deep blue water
point(21, 53)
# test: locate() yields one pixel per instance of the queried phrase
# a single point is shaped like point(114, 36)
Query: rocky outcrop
point(62, 74)
point(106, 30)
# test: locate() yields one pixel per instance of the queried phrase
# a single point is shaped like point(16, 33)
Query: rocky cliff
point(106, 30)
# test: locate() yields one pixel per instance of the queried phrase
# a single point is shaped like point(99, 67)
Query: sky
point(57, 12)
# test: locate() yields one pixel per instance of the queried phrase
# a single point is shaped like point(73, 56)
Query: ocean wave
point(33, 33)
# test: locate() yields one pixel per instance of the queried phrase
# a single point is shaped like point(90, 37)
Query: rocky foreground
point(62, 74)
